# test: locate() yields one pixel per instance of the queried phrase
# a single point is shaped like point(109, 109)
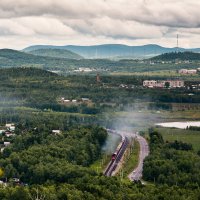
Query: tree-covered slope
point(177, 56)
point(172, 163)
point(13, 58)
point(56, 53)
point(38, 155)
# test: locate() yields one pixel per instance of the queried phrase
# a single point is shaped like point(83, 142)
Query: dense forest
point(172, 163)
point(55, 167)
point(188, 55)
point(38, 156)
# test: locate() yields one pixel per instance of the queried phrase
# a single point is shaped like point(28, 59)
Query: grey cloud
point(5, 32)
point(116, 28)
point(180, 13)
point(99, 21)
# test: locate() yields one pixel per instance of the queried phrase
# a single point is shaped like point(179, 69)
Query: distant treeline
point(11, 58)
point(178, 56)
point(172, 163)
point(193, 128)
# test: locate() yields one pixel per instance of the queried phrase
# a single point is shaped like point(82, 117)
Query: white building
point(187, 71)
point(56, 132)
point(66, 101)
point(6, 144)
point(162, 83)
point(85, 99)
point(192, 71)
point(10, 127)
point(84, 69)
point(176, 83)
point(183, 71)
point(151, 83)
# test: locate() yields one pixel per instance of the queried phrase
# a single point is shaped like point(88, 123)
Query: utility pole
point(121, 174)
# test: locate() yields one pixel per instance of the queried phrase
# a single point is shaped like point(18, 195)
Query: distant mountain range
point(113, 51)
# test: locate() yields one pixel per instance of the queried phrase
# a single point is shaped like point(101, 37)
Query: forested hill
point(13, 58)
point(56, 53)
point(13, 54)
point(26, 73)
point(178, 56)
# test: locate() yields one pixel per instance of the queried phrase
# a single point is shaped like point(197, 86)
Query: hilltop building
point(163, 83)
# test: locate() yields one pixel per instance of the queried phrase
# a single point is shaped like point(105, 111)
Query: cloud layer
point(86, 22)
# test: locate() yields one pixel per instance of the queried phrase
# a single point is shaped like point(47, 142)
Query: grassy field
point(181, 115)
point(188, 136)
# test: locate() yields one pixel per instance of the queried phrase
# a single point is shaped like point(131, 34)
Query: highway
point(136, 174)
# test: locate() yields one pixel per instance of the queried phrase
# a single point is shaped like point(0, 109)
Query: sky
point(92, 22)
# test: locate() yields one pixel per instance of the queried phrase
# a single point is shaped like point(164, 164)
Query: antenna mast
point(96, 53)
point(177, 42)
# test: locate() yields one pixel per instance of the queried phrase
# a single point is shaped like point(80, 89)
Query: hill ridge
point(187, 55)
point(119, 51)
point(56, 53)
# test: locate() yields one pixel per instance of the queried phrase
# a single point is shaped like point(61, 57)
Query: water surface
point(182, 125)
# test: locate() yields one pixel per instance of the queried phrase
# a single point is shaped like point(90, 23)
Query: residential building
point(162, 83)
point(187, 71)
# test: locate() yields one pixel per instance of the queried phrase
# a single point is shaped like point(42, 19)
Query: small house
point(6, 144)
point(56, 132)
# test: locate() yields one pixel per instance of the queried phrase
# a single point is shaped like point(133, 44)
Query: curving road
point(144, 152)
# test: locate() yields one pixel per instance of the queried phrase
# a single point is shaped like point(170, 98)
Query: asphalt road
point(136, 174)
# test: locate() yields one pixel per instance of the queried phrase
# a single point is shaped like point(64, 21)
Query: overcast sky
point(89, 22)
